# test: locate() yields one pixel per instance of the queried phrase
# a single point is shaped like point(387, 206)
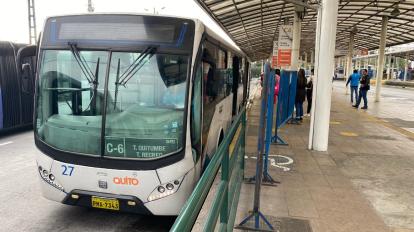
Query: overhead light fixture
point(354, 30)
point(395, 12)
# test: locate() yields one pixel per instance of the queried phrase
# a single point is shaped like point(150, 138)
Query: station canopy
point(254, 24)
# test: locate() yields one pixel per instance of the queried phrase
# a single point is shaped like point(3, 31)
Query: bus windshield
point(141, 102)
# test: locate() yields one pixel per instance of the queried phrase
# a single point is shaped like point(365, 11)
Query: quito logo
point(125, 181)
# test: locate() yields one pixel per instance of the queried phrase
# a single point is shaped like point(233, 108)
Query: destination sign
point(139, 148)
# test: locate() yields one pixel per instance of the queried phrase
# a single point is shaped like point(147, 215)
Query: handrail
point(232, 166)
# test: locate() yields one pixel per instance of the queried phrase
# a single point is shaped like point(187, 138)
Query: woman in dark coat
point(309, 91)
point(300, 94)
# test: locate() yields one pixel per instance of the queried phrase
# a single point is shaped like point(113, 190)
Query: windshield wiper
point(138, 63)
point(90, 76)
point(95, 88)
point(86, 70)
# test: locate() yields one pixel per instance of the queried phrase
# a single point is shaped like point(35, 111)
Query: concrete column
point(322, 88)
point(306, 61)
point(297, 27)
point(312, 59)
point(350, 54)
point(380, 61)
point(389, 67)
point(406, 67)
point(262, 67)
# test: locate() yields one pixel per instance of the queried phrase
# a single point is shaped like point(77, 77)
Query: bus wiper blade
point(82, 63)
point(116, 81)
point(138, 63)
point(95, 88)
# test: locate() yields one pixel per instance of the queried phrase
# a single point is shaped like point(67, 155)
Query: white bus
point(130, 108)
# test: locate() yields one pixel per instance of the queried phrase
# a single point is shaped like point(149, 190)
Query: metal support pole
point(32, 21)
point(350, 54)
point(322, 91)
point(256, 215)
point(380, 61)
point(297, 25)
point(91, 9)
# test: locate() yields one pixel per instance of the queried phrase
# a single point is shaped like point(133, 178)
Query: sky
point(14, 24)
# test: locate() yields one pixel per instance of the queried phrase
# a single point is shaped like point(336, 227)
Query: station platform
point(363, 183)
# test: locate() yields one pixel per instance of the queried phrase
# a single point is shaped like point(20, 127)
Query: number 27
point(67, 170)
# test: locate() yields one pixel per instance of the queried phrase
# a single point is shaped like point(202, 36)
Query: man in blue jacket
point(354, 80)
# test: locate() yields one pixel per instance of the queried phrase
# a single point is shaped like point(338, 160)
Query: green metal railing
point(227, 195)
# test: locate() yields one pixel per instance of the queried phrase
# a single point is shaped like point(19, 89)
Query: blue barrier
point(293, 77)
point(285, 102)
point(269, 125)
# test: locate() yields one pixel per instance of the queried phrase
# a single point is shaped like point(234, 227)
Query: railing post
point(243, 142)
point(224, 211)
point(225, 201)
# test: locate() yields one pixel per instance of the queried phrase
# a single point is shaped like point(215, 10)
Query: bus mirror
point(24, 53)
point(25, 75)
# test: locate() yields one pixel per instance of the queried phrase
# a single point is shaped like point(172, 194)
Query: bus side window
point(196, 104)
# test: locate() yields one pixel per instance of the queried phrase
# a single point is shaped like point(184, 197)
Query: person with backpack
point(354, 80)
point(363, 90)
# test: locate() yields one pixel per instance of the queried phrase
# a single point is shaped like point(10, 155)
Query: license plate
point(104, 203)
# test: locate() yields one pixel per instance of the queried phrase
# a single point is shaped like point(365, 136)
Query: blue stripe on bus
point(1, 110)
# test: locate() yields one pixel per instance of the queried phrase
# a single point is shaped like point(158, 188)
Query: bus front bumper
point(128, 204)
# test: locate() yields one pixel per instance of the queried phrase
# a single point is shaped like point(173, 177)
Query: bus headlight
point(49, 178)
point(166, 189)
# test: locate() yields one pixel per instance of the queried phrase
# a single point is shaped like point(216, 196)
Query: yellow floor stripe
point(335, 123)
point(385, 123)
point(349, 134)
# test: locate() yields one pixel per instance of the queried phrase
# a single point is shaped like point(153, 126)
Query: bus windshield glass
point(141, 101)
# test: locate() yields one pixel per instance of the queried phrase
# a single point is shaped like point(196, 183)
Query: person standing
point(363, 90)
point(300, 94)
point(309, 91)
point(354, 80)
point(277, 85)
